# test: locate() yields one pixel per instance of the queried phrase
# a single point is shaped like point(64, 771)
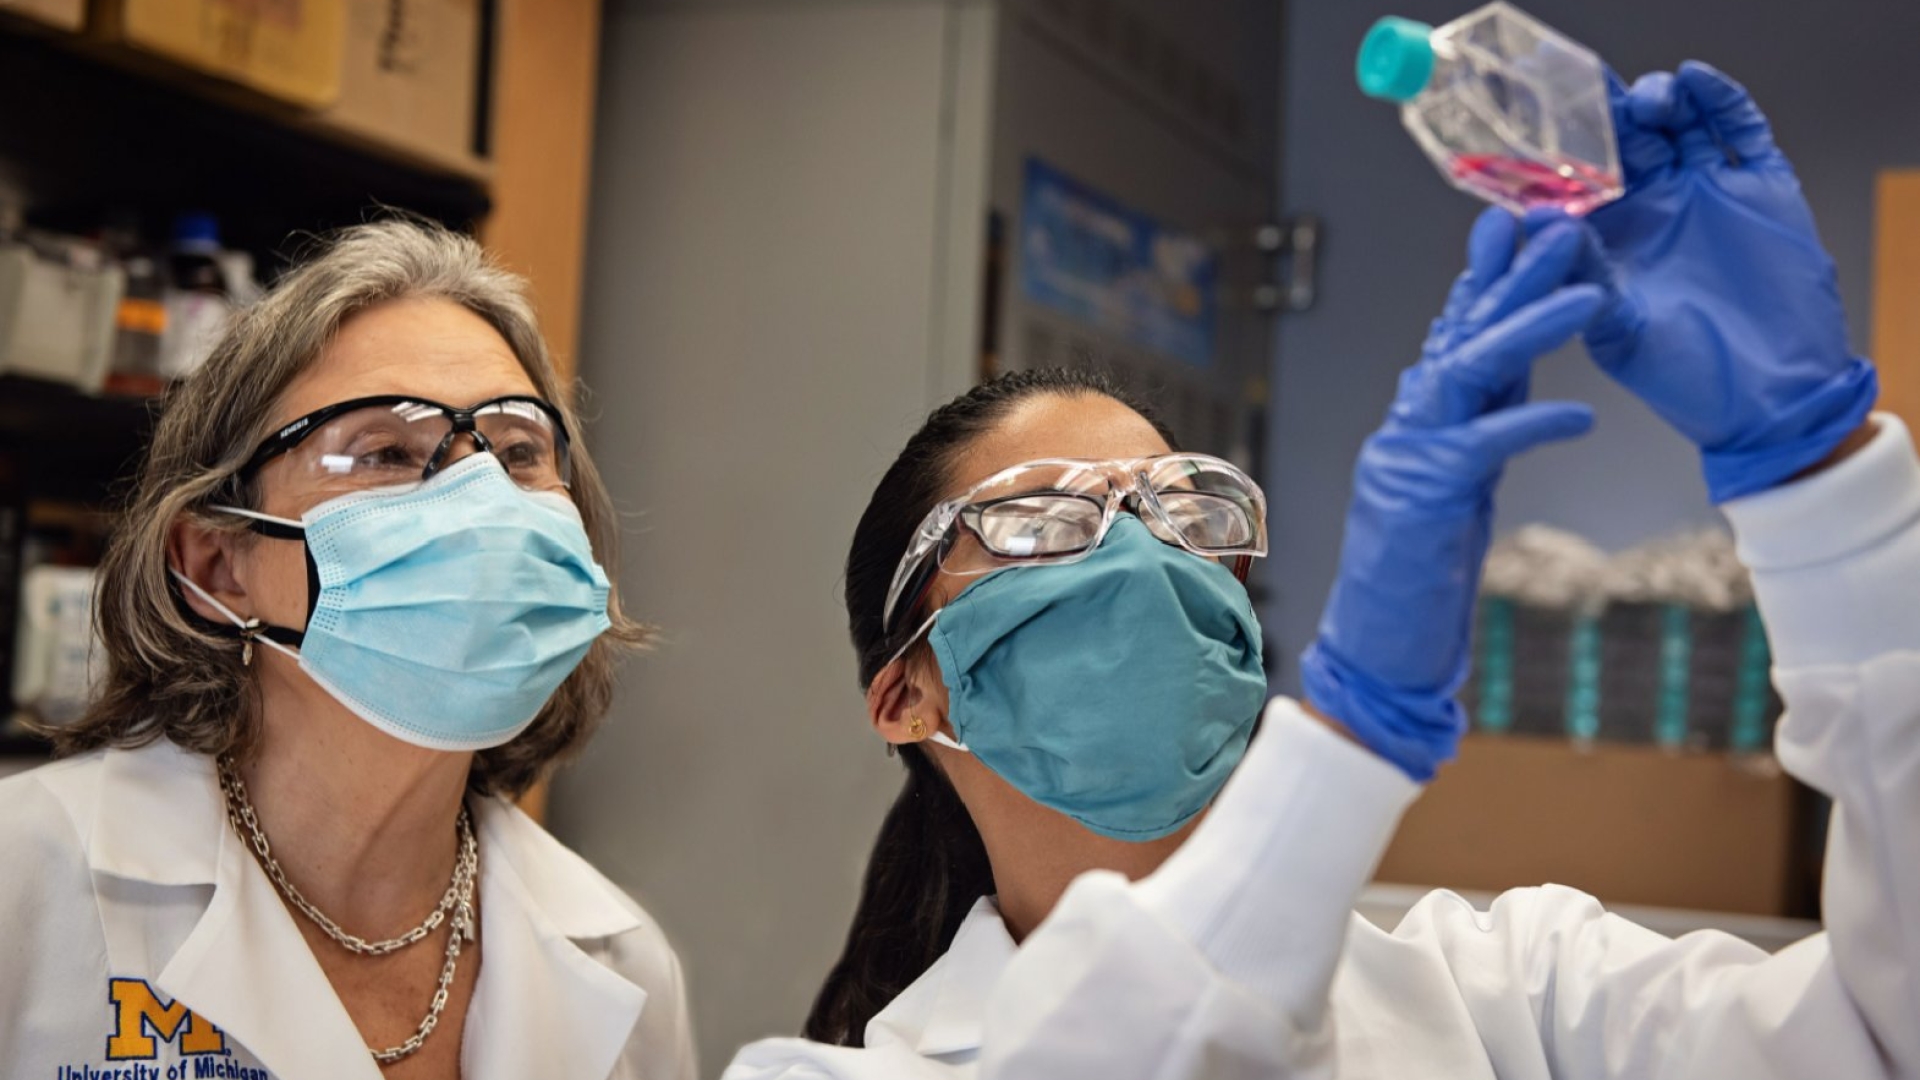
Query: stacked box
point(1641, 673)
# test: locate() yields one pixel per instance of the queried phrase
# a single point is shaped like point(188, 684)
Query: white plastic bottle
point(1509, 109)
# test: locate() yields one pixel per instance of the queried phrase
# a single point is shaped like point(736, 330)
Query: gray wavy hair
point(169, 677)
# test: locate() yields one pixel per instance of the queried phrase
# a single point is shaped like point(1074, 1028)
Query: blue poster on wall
point(1116, 269)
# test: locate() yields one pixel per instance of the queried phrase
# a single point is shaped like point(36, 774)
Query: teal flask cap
point(1396, 59)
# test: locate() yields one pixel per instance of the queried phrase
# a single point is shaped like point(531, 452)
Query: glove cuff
point(1418, 732)
point(1796, 439)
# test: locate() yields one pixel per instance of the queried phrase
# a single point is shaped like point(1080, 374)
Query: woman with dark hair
point(960, 825)
point(1043, 595)
point(1046, 599)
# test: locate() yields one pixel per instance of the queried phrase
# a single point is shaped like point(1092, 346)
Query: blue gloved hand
point(1724, 314)
point(1393, 646)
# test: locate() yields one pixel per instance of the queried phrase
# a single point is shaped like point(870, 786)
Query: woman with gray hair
point(356, 602)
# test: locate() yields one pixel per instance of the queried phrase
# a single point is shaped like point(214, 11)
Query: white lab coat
point(121, 878)
point(1241, 956)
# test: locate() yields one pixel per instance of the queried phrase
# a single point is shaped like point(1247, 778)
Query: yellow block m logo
point(140, 1016)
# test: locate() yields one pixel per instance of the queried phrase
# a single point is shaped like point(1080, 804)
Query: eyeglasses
point(391, 439)
point(1057, 510)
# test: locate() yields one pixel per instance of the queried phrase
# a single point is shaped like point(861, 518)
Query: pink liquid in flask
point(1530, 184)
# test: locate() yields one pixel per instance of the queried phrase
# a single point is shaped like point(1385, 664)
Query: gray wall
point(762, 331)
point(1838, 79)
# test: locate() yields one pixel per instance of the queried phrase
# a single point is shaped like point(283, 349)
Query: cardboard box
point(410, 76)
point(65, 14)
point(1896, 277)
point(288, 49)
point(1629, 824)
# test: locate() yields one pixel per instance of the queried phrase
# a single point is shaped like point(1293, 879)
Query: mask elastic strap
point(279, 528)
point(267, 524)
point(250, 630)
point(917, 634)
point(940, 737)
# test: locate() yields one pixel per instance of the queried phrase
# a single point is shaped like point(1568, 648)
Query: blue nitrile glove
point(1394, 639)
point(1724, 314)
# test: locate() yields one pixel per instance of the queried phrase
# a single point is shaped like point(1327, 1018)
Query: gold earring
point(917, 727)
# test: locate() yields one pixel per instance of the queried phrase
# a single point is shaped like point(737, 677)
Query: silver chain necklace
point(457, 902)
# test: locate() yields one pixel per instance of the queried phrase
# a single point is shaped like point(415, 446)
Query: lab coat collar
point(542, 908)
point(570, 897)
point(160, 817)
point(942, 1012)
point(246, 967)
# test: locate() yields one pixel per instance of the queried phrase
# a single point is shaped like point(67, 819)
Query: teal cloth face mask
point(446, 614)
point(1120, 690)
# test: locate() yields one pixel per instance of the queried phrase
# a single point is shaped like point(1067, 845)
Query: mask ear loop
point(947, 741)
point(251, 630)
point(278, 528)
point(919, 732)
point(938, 736)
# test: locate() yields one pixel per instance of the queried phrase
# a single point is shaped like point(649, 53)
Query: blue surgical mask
point(446, 614)
point(1120, 690)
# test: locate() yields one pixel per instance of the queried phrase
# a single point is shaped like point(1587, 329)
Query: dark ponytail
point(928, 866)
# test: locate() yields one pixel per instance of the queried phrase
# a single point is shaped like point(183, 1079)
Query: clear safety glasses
point(378, 442)
point(1057, 510)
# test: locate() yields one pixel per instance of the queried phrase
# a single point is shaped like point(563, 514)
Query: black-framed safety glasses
point(394, 439)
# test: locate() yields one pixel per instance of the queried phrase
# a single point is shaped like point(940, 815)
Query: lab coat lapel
point(246, 968)
point(160, 817)
point(544, 1005)
point(941, 1013)
point(243, 966)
